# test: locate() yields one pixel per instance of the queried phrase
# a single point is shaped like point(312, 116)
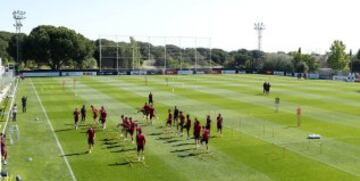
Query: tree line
point(50, 47)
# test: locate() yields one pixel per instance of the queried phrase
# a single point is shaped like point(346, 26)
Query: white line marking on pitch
point(53, 131)
point(11, 105)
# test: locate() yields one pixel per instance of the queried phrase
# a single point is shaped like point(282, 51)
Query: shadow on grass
point(181, 150)
point(183, 144)
point(172, 141)
point(75, 154)
point(120, 164)
point(113, 146)
point(123, 150)
point(164, 138)
point(65, 129)
point(188, 155)
point(111, 143)
point(156, 134)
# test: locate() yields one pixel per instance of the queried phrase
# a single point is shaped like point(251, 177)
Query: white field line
point(10, 107)
point(53, 132)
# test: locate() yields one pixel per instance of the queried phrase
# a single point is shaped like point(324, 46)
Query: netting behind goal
point(118, 53)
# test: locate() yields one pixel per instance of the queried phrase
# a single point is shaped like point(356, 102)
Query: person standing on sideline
point(298, 116)
point(23, 102)
point(14, 112)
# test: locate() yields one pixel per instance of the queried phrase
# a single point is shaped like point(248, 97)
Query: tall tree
point(4, 42)
point(58, 46)
point(12, 48)
point(278, 62)
point(338, 58)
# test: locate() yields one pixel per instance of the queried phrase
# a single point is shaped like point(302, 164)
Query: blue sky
point(310, 24)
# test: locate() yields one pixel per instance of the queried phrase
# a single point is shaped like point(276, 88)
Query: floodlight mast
point(18, 16)
point(259, 27)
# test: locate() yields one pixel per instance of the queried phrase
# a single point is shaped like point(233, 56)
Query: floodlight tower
point(259, 27)
point(18, 16)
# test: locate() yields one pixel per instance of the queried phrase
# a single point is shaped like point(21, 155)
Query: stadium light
point(18, 16)
point(259, 27)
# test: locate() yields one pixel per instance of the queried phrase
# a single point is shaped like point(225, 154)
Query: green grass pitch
point(258, 143)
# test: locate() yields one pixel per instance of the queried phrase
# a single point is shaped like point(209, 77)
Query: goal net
point(121, 53)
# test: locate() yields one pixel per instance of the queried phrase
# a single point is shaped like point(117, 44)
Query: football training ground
point(257, 144)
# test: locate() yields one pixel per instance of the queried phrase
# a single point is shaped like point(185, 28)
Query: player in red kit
point(91, 138)
point(3, 148)
point(181, 124)
point(176, 117)
point(197, 131)
point(152, 112)
point(205, 137)
point(140, 142)
point(208, 123)
point(121, 124)
point(125, 127)
point(76, 114)
point(95, 113)
point(103, 115)
point(188, 126)
point(131, 129)
point(169, 118)
point(145, 111)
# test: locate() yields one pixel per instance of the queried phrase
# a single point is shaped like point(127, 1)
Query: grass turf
point(258, 143)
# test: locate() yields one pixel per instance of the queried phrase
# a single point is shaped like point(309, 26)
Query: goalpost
point(120, 53)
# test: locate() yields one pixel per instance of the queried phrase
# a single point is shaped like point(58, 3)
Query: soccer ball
point(29, 159)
